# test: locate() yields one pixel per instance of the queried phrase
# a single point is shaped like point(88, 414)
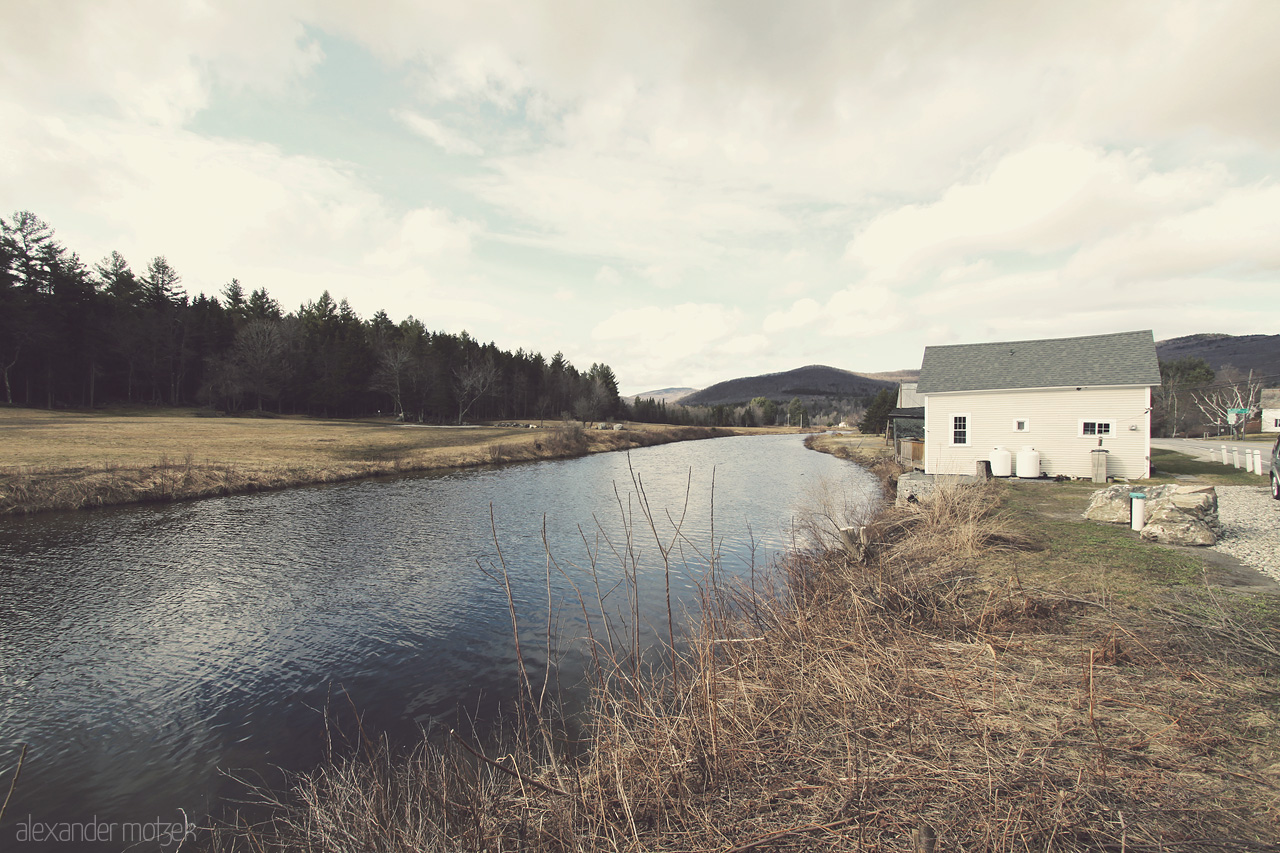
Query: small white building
point(1270, 403)
point(908, 398)
point(1064, 397)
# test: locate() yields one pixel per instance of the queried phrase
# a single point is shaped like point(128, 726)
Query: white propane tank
point(1028, 463)
point(1001, 463)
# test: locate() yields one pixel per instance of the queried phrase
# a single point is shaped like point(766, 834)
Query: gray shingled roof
point(1270, 398)
point(1126, 358)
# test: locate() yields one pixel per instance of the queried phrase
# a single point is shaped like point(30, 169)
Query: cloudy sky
point(687, 191)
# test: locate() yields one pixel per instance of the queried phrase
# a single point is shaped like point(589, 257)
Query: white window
point(1097, 429)
point(1277, 423)
point(960, 429)
point(1021, 425)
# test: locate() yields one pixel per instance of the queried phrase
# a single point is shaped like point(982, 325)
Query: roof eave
point(1040, 388)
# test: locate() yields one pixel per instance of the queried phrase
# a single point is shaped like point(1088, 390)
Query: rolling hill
point(1260, 353)
point(664, 395)
point(813, 381)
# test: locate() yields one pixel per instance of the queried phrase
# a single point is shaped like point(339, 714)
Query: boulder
point(1110, 505)
point(1176, 514)
point(1171, 526)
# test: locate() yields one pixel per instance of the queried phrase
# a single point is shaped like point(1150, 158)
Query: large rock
point(1110, 504)
point(1176, 515)
point(1172, 526)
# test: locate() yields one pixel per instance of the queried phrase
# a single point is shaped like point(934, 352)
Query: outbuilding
point(1058, 399)
point(1270, 403)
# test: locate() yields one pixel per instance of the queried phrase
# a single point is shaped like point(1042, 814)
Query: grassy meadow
point(69, 460)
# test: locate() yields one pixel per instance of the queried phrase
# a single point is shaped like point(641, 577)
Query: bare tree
point(259, 358)
point(1224, 402)
point(1177, 378)
point(474, 380)
point(395, 360)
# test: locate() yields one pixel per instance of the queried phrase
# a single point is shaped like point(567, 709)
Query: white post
point(1224, 455)
point(1257, 462)
point(1235, 456)
point(1138, 512)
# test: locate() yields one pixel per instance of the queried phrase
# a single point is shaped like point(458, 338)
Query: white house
point(1270, 403)
point(1063, 397)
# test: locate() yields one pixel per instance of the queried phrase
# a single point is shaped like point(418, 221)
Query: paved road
point(1200, 448)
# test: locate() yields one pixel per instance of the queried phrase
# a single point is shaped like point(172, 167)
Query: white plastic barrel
point(1028, 463)
point(1001, 463)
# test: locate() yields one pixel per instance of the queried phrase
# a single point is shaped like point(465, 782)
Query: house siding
point(1271, 420)
point(1054, 417)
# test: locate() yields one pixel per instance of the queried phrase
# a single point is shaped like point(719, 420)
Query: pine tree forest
point(78, 336)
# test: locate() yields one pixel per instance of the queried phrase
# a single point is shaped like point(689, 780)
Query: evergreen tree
point(876, 418)
point(797, 414)
point(140, 337)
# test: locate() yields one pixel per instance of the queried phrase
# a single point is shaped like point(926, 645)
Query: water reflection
point(144, 649)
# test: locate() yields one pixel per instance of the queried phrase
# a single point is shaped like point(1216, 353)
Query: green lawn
point(1168, 463)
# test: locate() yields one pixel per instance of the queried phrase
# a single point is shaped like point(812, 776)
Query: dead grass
point(925, 699)
point(61, 460)
point(854, 446)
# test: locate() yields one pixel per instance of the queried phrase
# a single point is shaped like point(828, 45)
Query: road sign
point(1239, 411)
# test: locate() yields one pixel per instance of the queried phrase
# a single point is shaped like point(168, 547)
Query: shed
point(1063, 397)
point(1270, 404)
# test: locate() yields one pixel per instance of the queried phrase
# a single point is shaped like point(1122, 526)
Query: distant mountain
point(896, 376)
point(664, 395)
point(813, 381)
point(1261, 353)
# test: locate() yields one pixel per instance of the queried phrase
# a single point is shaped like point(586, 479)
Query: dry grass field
point(68, 460)
point(851, 445)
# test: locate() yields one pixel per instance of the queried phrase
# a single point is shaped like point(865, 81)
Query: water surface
point(145, 652)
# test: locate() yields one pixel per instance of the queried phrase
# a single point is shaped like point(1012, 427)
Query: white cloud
point(683, 328)
point(1234, 229)
point(979, 170)
point(801, 313)
point(152, 60)
point(448, 140)
point(425, 233)
point(864, 311)
point(741, 345)
point(1040, 200)
point(676, 341)
point(607, 276)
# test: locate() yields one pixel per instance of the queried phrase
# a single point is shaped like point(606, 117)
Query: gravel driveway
point(1251, 522)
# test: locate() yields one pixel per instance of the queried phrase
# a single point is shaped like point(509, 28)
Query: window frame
point(1026, 425)
point(1110, 424)
point(968, 429)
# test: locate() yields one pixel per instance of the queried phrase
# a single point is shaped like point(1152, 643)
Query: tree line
point(760, 411)
point(75, 336)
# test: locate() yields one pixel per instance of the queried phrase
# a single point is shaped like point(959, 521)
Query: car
point(1275, 467)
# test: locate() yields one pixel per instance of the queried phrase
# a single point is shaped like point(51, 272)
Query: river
point(153, 656)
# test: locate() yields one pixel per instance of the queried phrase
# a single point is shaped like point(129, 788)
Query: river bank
point(78, 460)
point(998, 674)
